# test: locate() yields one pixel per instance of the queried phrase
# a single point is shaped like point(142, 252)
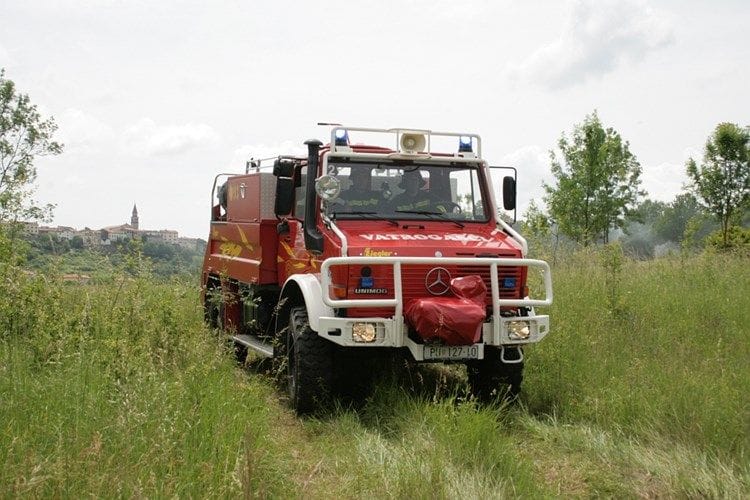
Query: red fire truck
point(356, 251)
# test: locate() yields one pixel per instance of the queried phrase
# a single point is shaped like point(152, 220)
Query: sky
point(153, 99)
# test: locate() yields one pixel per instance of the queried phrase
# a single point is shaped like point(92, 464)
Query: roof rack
point(256, 164)
point(397, 136)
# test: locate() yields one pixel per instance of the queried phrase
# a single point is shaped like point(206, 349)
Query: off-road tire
point(490, 378)
point(240, 352)
point(309, 365)
point(213, 312)
point(213, 309)
point(353, 374)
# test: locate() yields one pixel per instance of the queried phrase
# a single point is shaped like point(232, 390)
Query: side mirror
point(284, 196)
point(509, 193)
point(283, 167)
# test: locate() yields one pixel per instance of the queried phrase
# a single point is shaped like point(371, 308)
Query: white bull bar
point(397, 301)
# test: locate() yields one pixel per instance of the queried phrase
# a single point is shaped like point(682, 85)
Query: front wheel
point(490, 378)
point(309, 364)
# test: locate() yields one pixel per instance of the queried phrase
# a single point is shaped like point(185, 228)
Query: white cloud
point(692, 152)
point(533, 165)
point(80, 131)
point(449, 10)
point(146, 138)
point(597, 36)
point(664, 181)
point(5, 58)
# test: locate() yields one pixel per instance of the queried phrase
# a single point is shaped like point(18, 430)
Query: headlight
point(364, 332)
point(519, 330)
point(328, 187)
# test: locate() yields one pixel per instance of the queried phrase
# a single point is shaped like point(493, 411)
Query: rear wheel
point(309, 364)
point(214, 311)
point(213, 306)
point(490, 378)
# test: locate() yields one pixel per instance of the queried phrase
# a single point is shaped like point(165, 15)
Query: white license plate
point(451, 352)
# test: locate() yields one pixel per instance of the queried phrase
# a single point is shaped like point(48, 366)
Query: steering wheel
point(450, 207)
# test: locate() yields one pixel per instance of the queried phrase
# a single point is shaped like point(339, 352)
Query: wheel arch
point(302, 289)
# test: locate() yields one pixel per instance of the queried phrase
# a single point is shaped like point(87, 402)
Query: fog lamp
point(363, 332)
point(519, 330)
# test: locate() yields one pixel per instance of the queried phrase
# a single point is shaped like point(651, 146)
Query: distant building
point(90, 237)
point(119, 233)
point(30, 227)
point(161, 236)
point(110, 234)
point(134, 218)
point(67, 233)
point(78, 278)
point(63, 232)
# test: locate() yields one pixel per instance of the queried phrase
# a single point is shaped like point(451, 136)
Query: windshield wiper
point(372, 216)
point(427, 212)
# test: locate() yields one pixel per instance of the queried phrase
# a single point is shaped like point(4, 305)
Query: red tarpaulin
point(453, 320)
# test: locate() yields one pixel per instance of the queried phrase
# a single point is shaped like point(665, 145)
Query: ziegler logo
point(369, 252)
point(437, 281)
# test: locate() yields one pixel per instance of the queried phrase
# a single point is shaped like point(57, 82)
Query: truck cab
point(359, 250)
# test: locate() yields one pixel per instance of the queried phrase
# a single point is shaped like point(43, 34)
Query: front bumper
point(393, 332)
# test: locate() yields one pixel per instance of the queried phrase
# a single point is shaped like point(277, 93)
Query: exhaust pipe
point(313, 237)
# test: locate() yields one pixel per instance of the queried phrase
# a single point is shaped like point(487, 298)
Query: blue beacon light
point(366, 280)
point(342, 137)
point(465, 144)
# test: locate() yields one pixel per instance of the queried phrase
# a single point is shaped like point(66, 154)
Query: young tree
point(673, 222)
point(535, 221)
point(722, 181)
point(24, 135)
point(596, 182)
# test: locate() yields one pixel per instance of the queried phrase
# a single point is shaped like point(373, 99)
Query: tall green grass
point(668, 354)
point(118, 390)
point(641, 389)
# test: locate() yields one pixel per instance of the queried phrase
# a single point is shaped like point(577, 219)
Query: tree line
point(596, 192)
point(164, 260)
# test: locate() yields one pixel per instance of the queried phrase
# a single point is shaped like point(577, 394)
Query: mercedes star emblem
point(438, 281)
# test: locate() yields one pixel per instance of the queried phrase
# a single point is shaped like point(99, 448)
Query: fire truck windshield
point(413, 191)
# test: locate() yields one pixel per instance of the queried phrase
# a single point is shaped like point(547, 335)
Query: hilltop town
point(106, 236)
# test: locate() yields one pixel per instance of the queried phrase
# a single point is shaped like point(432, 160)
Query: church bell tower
point(134, 218)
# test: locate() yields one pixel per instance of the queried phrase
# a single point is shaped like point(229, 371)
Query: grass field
point(641, 389)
